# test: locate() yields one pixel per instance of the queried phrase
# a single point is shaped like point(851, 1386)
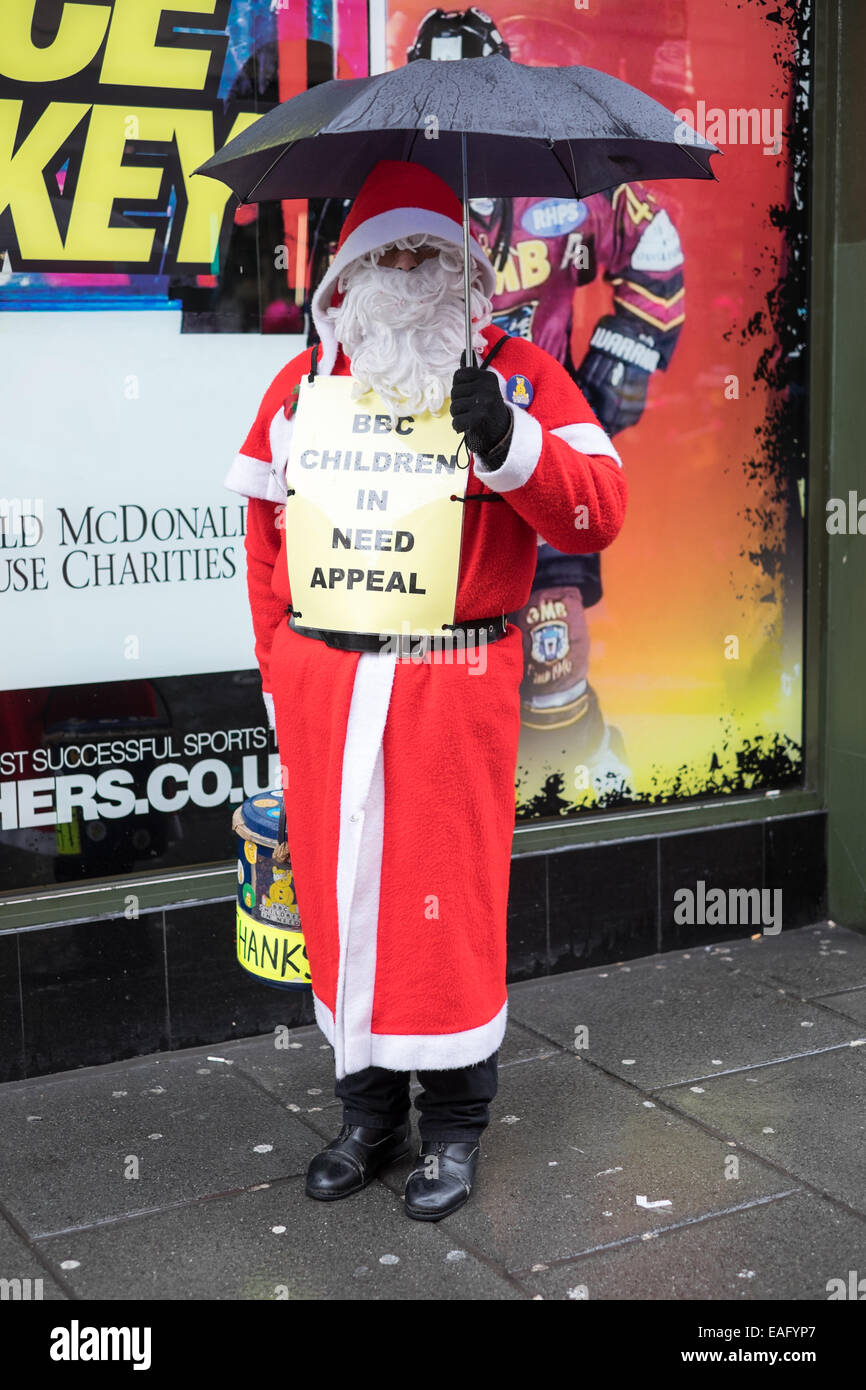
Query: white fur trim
point(526, 444)
point(361, 940)
point(254, 478)
point(425, 1051)
point(588, 439)
point(380, 231)
point(269, 706)
point(324, 1018)
point(280, 438)
point(359, 859)
point(522, 458)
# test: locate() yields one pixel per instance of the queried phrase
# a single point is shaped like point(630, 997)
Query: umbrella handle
point(467, 290)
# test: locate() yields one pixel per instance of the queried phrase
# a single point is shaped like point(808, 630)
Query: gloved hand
point(477, 408)
point(615, 391)
point(614, 374)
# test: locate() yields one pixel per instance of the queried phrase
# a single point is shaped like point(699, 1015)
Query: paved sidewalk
point(706, 1142)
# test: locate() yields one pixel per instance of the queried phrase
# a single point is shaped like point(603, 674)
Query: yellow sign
point(372, 535)
point(277, 954)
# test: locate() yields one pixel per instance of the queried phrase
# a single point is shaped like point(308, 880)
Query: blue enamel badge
point(519, 391)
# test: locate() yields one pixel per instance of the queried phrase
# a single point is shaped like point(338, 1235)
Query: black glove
point(614, 374)
point(478, 410)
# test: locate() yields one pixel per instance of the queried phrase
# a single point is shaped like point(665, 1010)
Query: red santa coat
point(400, 796)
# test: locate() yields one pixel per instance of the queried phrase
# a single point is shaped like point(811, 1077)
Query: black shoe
point(353, 1159)
point(442, 1180)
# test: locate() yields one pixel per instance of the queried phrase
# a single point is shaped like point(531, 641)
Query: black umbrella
point(502, 128)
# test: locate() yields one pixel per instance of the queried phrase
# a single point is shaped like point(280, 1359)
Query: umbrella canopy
point(488, 126)
point(533, 131)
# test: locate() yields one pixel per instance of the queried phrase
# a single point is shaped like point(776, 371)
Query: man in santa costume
point(400, 772)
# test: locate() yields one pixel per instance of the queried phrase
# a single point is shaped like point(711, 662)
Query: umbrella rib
point(572, 177)
point(269, 170)
point(541, 112)
point(703, 167)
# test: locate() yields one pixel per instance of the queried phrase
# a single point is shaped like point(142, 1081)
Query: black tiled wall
point(85, 994)
point(209, 997)
point(92, 992)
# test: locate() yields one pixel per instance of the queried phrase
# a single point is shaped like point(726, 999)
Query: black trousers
point(452, 1105)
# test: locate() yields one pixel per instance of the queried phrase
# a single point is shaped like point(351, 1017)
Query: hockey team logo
point(549, 642)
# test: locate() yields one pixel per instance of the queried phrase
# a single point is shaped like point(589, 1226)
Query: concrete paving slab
point(779, 1250)
point(851, 1003)
point(811, 961)
point(565, 1158)
point(296, 1067)
point(522, 1045)
point(22, 1276)
point(664, 1020)
point(806, 1115)
point(278, 1244)
point(187, 1125)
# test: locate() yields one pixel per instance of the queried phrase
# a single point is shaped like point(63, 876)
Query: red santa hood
point(397, 199)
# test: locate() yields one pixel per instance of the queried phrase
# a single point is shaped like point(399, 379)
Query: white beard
point(404, 330)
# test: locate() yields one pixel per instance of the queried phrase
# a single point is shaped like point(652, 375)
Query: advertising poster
point(142, 314)
point(671, 667)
